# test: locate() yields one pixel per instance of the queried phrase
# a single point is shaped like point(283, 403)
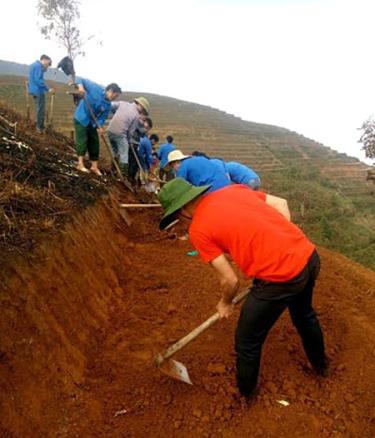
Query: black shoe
point(323, 369)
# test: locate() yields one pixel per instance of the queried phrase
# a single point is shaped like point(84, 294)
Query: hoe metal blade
point(176, 370)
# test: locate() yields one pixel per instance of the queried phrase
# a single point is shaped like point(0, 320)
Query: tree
point(368, 138)
point(61, 18)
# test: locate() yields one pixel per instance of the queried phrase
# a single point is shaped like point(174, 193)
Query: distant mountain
point(16, 69)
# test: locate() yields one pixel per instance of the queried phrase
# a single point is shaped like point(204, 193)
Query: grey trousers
point(40, 107)
point(120, 147)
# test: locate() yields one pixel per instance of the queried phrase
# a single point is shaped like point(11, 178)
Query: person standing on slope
point(37, 89)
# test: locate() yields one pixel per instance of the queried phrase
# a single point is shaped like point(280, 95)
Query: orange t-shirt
point(236, 220)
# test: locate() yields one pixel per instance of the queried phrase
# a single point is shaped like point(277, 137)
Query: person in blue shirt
point(241, 174)
point(154, 138)
point(217, 161)
point(37, 88)
point(164, 150)
point(238, 173)
point(198, 171)
point(99, 100)
point(145, 146)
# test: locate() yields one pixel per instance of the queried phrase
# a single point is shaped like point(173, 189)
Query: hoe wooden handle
point(197, 331)
point(139, 205)
point(108, 147)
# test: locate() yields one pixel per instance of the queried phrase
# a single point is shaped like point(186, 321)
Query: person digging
point(254, 229)
point(121, 130)
point(98, 101)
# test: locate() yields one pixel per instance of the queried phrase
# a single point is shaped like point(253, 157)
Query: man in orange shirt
point(254, 229)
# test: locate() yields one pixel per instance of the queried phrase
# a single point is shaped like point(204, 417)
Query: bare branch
point(61, 23)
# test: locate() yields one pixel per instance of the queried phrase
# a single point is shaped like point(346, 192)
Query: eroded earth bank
point(82, 319)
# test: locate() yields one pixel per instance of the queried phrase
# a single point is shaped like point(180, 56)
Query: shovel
point(177, 370)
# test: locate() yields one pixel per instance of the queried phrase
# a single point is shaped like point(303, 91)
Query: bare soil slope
point(80, 327)
point(84, 312)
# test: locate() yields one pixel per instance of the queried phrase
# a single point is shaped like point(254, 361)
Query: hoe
point(177, 370)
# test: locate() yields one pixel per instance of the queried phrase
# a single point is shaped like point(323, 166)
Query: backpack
point(66, 65)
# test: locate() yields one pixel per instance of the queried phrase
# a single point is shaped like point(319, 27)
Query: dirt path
point(165, 295)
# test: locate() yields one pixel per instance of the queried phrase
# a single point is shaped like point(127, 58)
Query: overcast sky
point(306, 65)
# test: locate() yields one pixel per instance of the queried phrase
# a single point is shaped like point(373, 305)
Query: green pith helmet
point(144, 103)
point(174, 195)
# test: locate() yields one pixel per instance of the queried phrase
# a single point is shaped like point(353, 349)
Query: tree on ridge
point(61, 21)
point(368, 143)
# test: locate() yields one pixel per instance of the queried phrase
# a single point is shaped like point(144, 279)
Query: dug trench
point(83, 318)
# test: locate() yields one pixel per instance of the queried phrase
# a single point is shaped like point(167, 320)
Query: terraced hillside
point(328, 191)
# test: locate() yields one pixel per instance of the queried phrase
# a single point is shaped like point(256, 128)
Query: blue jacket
point(239, 173)
point(163, 153)
point(145, 152)
point(36, 86)
point(100, 105)
point(200, 172)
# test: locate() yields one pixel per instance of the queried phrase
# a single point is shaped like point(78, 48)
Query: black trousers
point(133, 165)
point(262, 308)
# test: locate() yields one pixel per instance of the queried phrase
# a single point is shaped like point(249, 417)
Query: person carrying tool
point(136, 172)
point(198, 170)
point(254, 229)
point(96, 104)
point(37, 89)
point(122, 127)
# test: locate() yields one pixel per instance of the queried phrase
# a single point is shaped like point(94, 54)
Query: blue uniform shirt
point(219, 163)
point(36, 86)
point(163, 152)
point(200, 172)
point(100, 105)
point(145, 152)
point(239, 173)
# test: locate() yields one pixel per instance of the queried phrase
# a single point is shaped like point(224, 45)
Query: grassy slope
point(327, 191)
